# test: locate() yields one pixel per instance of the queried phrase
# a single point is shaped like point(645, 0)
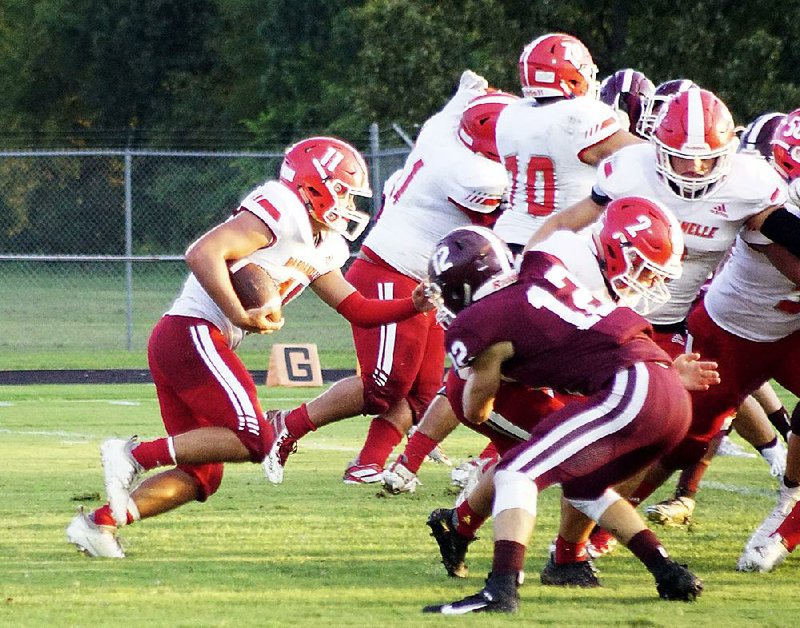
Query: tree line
point(262, 73)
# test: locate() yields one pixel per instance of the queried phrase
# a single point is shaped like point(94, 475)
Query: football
point(253, 285)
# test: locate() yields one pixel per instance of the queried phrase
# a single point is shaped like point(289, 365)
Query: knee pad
point(594, 508)
point(514, 490)
point(208, 477)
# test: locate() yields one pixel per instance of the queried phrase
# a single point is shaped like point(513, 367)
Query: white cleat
point(284, 444)
point(92, 539)
point(121, 473)
point(729, 448)
point(398, 479)
point(676, 511)
point(765, 556)
point(787, 498)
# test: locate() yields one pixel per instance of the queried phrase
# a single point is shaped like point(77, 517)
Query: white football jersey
point(294, 259)
point(710, 224)
point(541, 147)
point(753, 299)
point(420, 199)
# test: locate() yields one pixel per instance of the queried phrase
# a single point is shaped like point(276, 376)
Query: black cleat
point(582, 574)
point(499, 595)
point(676, 582)
point(452, 546)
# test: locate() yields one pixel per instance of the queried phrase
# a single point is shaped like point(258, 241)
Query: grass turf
point(314, 551)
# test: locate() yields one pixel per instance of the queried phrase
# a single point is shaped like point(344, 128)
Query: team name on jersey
point(701, 231)
point(304, 267)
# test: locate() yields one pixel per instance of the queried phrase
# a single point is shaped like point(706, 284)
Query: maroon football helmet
point(786, 151)
point(326, 174)
point(627, 91)
point(479, 122)
point(662, 95)
point(695, 125)
point(467, 264)
point(757, 136)
point(639, 246)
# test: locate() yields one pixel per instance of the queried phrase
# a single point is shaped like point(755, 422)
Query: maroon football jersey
point(563, 337)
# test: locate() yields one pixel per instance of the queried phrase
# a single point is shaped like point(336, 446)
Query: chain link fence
point(92, 242)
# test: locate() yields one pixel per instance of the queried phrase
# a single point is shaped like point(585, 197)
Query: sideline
point(120, 376)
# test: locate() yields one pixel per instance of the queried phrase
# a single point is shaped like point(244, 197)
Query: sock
point(417, 448)
point(768, 445)
point(780, 421)
point(790, 529)
point(567, 552)
point(467, 521)
point(689, 480)
point(298, 422)
point(381, 439)
point(509, 558)
point(642, 492)
point(648, 549)
point(103, 517)
point(154, 453)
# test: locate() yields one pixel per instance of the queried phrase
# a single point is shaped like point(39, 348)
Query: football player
point(693, 168)
point(628, 92)
point(295, 229)
point(610, 264)
point(543, 328)
point(451, 178)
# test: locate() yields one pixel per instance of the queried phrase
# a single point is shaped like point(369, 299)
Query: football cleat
point(438, 456)
point(499, 595)
point(729, 448)
point(676, 582)
point(676, 511)
point(452, 546)
point(580, 574)
point(92, 539)
point(121, 472)
point(357, 473)
point(601, 542)
point(764, 556)
point(398, 479)
point(284, 444)
point(787, 498)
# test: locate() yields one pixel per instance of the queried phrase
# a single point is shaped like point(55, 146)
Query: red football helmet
point(662, 95)
point(786, 151)
point(479, 120)
point(467, 264)
point(557, 65)
point(639, 246)
point(326, 174)
point(757, 136)
point(694, 125)
point(627, 91)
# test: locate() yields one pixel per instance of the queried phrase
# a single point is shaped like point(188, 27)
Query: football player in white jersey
point(551, 140)
point(452, 178)
point(753, 313)
point(293, 229)
point(753, 417)
point(715, 193)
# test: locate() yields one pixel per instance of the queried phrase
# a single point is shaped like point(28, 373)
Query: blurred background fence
point(91, 242)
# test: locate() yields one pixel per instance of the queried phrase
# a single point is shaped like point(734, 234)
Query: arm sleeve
point(363, 312)
point(783, 227)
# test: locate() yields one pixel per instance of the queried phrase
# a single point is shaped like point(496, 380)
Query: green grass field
point(314, 552)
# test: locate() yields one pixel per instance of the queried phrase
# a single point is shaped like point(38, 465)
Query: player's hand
point(421, 298)
point(262, 320)
point(696, 374)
